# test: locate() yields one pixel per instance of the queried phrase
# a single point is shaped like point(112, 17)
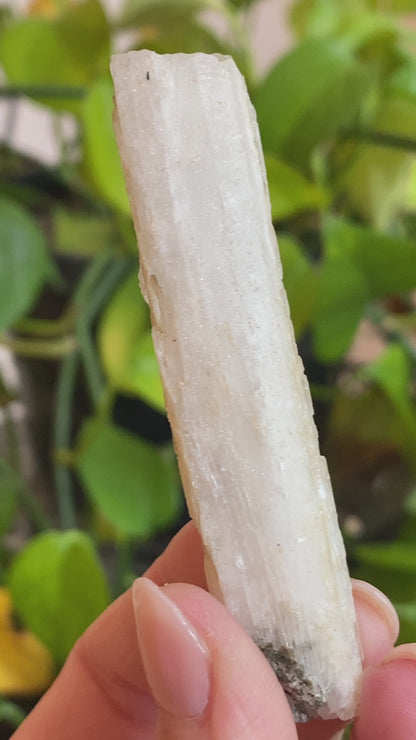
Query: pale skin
point(168, 661)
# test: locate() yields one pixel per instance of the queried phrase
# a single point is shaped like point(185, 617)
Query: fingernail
point(401, 652)
point(175, 658)
point(379, 602)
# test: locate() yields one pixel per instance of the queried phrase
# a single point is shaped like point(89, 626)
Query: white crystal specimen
point(235, 389)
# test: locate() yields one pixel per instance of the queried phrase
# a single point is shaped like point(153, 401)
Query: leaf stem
point(86, 319)
point(382, 138)
point(49, 350)
point(62, 437)
point(30, 503)
point(42, 91)
point(46, 327)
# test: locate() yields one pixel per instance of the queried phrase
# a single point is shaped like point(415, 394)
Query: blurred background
point(89, 489)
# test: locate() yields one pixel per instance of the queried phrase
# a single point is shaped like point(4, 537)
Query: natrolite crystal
point(235, 389)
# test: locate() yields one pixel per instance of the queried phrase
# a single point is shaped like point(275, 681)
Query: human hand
point(171, 663)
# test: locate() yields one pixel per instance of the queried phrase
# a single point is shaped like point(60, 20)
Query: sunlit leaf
point(307, 96)
point(83, 32)
point(133, 483)
point(24, 264)
point(46, 8)
point(26, 666)
point(68, 50)
point(126, 347)
point(31, 55)
point(395, 6)
point(81, 233)
point(290, 192)
point(102, 160)
point(376, 181)
point(143, 375)
point(58, 588)
point(149, 12)
point(316, 18)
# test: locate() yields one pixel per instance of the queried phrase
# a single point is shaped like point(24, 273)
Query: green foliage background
point(337, 116)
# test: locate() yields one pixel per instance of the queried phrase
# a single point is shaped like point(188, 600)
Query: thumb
point(207, 677)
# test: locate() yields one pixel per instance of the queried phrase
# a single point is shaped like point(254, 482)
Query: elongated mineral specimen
point(236, 394)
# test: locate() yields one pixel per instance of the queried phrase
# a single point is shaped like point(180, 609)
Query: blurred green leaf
point(187, 36)
point(396, 556)
point(395, 583)
point(30, 54)
point(408, 529)
point(407, 616)
point(343, 294)
point(394, 6)
point(10, 487)
point(69, 50)
point(81, 234)
point(11, 713)
point(359, 264)
point(307, 96)
point(143, 373)
point(58, 588)
point(377, 177)
point(290, 192)
point(24, 264)
point(392, 372)
point(388, 263)
point(242, 3)
point(126, 347)
point(403, 80)
point(371, 36)
point(102, 160)
point(301, 283)
point(147, 12)
point(316, 18)
point(83, 31)
point(133, 484)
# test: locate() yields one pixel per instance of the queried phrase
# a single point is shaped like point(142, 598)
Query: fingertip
point(388, 701)
point(402, 652)
point(247, 699)
point(380, 604)
point(176, 659)
point(378, 622)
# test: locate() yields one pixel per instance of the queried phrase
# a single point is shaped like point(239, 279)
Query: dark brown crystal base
point(304, 698)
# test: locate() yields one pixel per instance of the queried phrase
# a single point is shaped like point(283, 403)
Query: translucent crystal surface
point(236, 394)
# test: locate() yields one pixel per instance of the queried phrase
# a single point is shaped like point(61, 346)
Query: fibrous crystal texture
point(235, 389)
